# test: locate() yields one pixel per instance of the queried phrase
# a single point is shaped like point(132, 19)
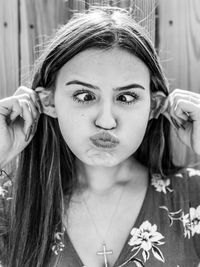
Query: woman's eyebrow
point(82, 83)
point(126, 87)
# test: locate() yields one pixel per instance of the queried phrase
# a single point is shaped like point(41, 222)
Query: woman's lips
point(104, 140)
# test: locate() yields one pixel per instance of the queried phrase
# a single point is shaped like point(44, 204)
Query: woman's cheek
point(137, 127)
point(72, 128)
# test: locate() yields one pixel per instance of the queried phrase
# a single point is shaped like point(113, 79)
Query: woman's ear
point(158, 104)
point(47, 101)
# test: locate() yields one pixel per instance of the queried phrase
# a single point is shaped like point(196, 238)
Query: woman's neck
point(101, 180)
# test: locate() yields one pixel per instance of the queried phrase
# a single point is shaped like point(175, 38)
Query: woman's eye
point(128, 98)
point(83, 97)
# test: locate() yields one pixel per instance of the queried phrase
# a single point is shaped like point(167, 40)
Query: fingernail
point(34, 128)
point(28, 133)
point(183, 127)
point(39, 105)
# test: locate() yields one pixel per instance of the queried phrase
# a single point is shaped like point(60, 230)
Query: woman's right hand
point(19, 115)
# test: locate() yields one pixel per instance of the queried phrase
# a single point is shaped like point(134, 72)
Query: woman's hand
point(19, 115)
point(185, 107)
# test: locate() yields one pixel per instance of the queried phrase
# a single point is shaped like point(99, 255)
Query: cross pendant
point(104, 253)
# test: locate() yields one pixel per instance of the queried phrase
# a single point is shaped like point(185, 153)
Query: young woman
point(95, 182)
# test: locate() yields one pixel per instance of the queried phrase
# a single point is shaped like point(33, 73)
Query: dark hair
point(46, 170)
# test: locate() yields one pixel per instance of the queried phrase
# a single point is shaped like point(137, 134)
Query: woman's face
point(102, 101)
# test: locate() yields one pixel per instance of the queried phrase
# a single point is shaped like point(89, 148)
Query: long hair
point(46, 171)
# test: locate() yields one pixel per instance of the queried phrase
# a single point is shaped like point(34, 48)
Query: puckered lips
point(104, 140)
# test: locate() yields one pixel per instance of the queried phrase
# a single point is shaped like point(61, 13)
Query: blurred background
point(174, 26)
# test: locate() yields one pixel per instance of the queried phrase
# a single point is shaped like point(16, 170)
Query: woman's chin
point(101, 158)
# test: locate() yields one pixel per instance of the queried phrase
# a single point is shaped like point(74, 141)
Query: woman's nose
point(105, 118)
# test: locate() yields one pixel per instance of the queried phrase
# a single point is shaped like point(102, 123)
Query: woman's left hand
point(185, 107)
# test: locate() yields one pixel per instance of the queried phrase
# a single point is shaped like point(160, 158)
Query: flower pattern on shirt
point(58, 244)
point(190, 221)
point(3, 192)
point(5, 185)
point(193, 172)
point(146, 239)
point(160, 184)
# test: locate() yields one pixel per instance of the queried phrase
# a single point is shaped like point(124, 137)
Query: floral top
point(166, 232)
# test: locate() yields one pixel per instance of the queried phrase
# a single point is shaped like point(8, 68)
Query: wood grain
point(144, 13)
point(39, 19)
point(24, 24)
point(180, 54)
point(9, 47)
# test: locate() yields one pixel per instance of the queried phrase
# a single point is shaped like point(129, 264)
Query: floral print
point(3, 192)
point(193, 172)
point(180, 175)
point(5, 187)
point(194, 215)
point(58, 244)
point(146, 239)
point(6, 184)
point(160, 184)
point(190, 221)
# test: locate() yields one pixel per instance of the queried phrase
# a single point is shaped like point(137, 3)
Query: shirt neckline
point(126, 248)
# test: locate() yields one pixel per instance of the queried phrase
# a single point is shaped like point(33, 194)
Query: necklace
point(104, 252)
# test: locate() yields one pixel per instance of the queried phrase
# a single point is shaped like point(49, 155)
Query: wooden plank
point(9, 54)
point(125, 4)
point(39, 19)
point(144, 13)
point(180, 53)
point(74, 7)
point(26, 42)
point(9, 62)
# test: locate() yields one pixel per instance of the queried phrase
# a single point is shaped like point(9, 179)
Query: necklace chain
point(99, 233)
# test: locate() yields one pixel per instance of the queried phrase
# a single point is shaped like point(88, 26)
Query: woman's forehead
point(115, 62)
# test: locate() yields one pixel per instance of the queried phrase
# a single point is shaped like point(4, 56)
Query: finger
point(185, 107)
point(35, 114)
point(185, 93)
point(10, 108)
point(177, 120)
point(23, 91)
point(178, 112)
point(33, 108)
point(188, 98)
point(178, 115)
point(184, 116)
point(27, 116)
point(30, 102)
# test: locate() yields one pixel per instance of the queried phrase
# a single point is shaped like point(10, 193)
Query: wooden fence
point(179, 49)
point(26, 23)
point(174, 25)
